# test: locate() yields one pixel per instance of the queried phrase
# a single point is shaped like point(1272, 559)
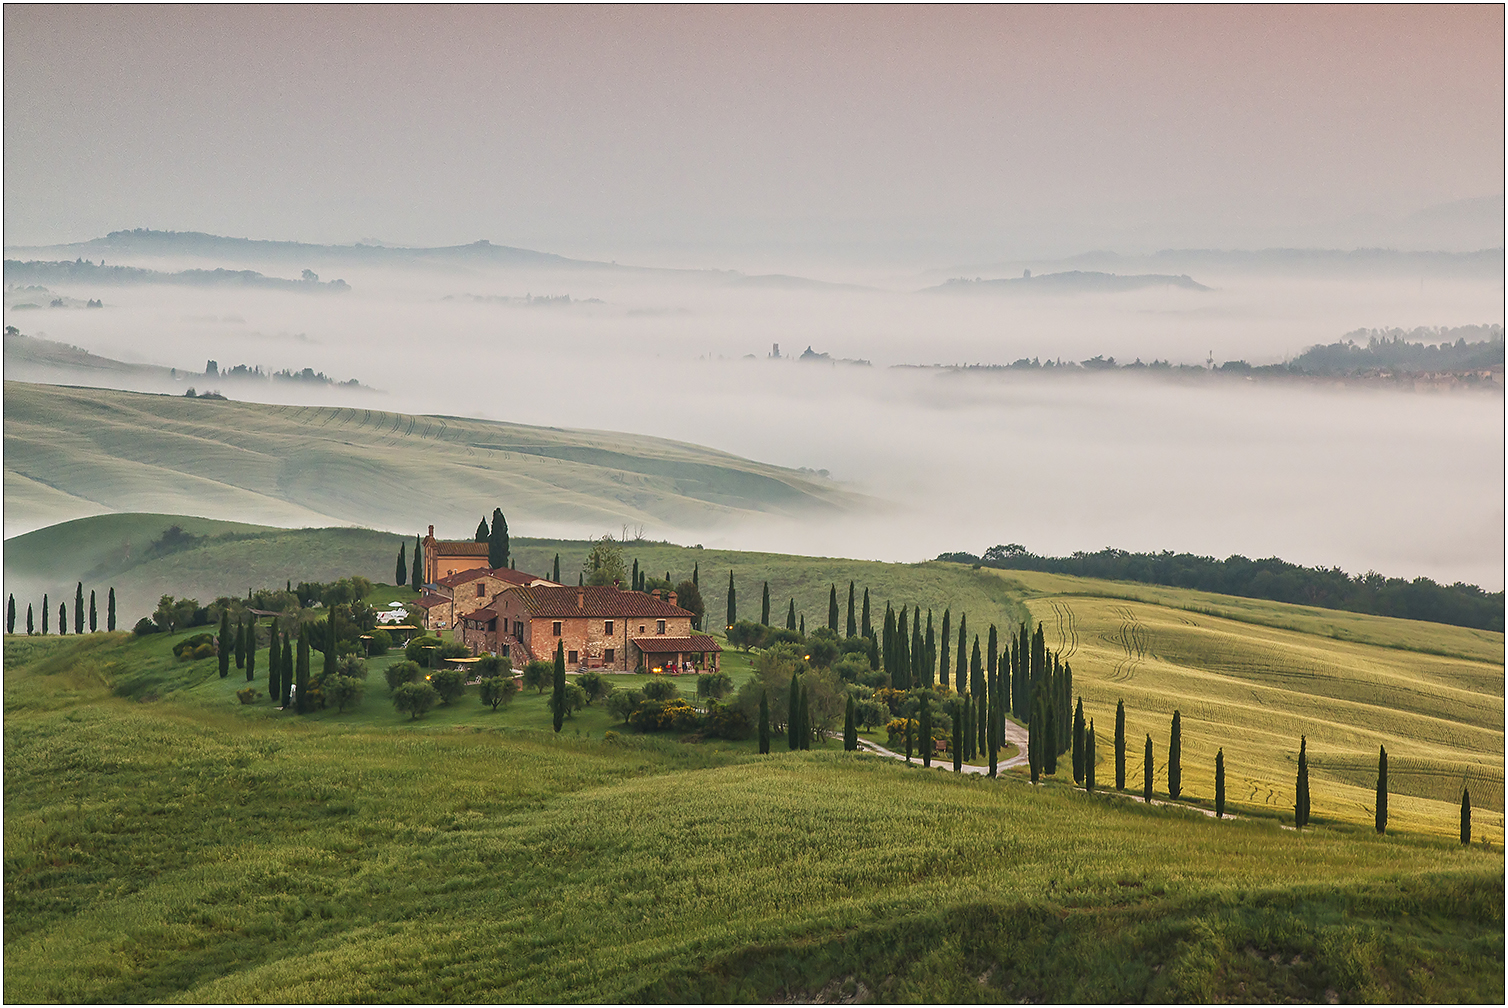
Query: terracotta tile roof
point(503, 574)
point(461, 577)
point(605, 602)
point(695, 644)
point(483, 614)
point(431, 600)
point(459, 547)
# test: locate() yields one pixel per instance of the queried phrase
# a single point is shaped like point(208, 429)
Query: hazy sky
point(676, 134)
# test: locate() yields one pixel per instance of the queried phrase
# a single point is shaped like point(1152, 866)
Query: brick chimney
point(672, 598)
point(431, 531)
point(580, 598)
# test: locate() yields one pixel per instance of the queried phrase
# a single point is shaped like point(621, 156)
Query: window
point(659, 626)
point(505, 650)
point(572, 658)
point(556, 628)
point(641, 629)
point(480, 591)
point(607, 627)
point(518, 629)
point(607, 656)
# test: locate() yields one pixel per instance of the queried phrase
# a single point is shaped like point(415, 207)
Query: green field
point(71, 452)
point(1349, 684)
point(191, 849)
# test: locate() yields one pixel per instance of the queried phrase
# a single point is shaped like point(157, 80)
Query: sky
point(755, 135)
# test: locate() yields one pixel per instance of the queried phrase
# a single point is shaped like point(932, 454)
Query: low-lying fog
point(1402, 483)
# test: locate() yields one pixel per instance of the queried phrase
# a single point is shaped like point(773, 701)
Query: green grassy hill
point(195, 849)
point(71, 452)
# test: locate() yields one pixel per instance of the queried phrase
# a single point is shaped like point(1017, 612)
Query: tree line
point(81, 615)
point(1328, 588)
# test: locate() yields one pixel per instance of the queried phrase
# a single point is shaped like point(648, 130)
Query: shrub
point(351, 667)
point(204, 651)
point(449, 683)
point(539, 674)
point(491, 665)
point(380, 642)
point(621, 704)
point(895, 730)
point(871, 713)
point(745, 634)
point(661, 689)
point(248, 695)
point(399, 673)
point(415, 698)
point(595, 684)
point(725, 722)
point(653, 716)
point(496, 690)
point(821, 652)
point(714, 686)
point(573, 699)
point(418, 648)
point(184, 649)
point(852, 670)
point(345, 691)
point(144, 626)
point(453, 649)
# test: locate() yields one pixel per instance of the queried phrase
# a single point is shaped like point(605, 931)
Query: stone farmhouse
point(599, 627)
point(466, 590)
point(444, 557)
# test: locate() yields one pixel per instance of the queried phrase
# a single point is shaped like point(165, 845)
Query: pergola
point(678, 649)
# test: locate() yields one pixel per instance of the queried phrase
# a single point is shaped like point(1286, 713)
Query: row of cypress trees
point(78, 613)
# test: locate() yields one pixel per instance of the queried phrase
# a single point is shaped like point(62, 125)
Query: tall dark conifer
point(1175, 758)
point(806, 718)
point(977, 691)
point(483, 533)
point(918, 649)
point(764, 723)
point(285, 664)
point(499, 549)
point(1465, 815)
point(850, 727)
point(1120, 745)
point(853, 623)
point(62, 618)
point(961, 677)
point(801, 625)
point(1220, 784)
point(874, 653)
point(78, 608)
point(957, 745)
point(832, 608)
point(790, 616)
point(865, 627)
point(415, 569)
point(887, 646)
point(764, 606)
point(900, 678)
point(274, 666)
point(1301, 787)
point(301, 672)
point(331, 637)
point(30, 623)
point(909, 736)
point(696, 575)
point(10, 614)
point(925, 731)
point(942, 664)
point(1089, 759)
point(251, 649)
point(555, 571)
point(929, 656)
point(1382, 790)
point(1034, 742)
point(400, 574)
point(240, 643)
point(1146, 773)
point(110, 610)
point(45, 611)
point(558, 682)
point(732, 601)
point(1078, 742)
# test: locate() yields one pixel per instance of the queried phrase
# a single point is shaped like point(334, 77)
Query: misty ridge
point(88, 272)
point(1214, 466)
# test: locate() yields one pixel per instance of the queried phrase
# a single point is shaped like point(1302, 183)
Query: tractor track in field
point(1133, 638)
point(1068, 633)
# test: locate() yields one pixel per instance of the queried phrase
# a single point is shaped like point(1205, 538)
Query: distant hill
point(1071, 282)
point(88, 272)
point(71, 452)
point(1484, 264)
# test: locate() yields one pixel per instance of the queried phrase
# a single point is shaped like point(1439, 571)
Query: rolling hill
point(71, 452)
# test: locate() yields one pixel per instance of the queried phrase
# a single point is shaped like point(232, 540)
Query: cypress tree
point(1220, 784)
point(960, 678)
point(732, 601)
point(1050, 753)
point(850, 729)
point(908, 737)
point(1120, 745)
point(93, 613)
point(1382, 789)
point(555, 572)
point(1301, 788)
point(274, 664)
point(1175, 759)
point(559, 684)
point(415, 571)
point(400, 575)
point(957, 739)
point(1146, 780)
point(1034, 743)
point(301, 672)
point(764, 609)
point(330, 639)
point(926, 732)
point(801, 625)
point(992, 730)
point(240, 644)
point(764, 723)
point(10, 614)
point(580, 579)
point(992, 655)
point(942, 665)
point(251, 649)
point(696, 574)
point(498, 547)
point(967, 716)
point(793, 715)
point(929, 656)
point(887, 645)
point(1089, 759)
point(1078, 742)
point(901, 677)
point(976, 690)
point(483, 533)
point(30, 625)
point(110, 610)
point(853, 623)
point(790, 616)
point(78, 608)
point(285, 665)
point(62, 618)
point(865, 627)
point(806, 719)
point(874, 653)
point(1465, 815)
point(832, 608)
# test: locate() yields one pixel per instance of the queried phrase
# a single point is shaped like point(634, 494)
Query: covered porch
point(677, 655)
